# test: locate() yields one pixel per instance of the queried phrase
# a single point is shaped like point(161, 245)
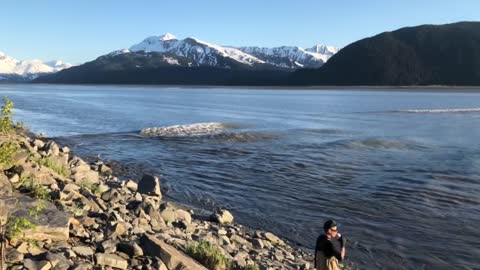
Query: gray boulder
point(149, 185)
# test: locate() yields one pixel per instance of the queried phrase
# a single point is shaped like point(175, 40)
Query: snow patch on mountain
point(288, 56)
point(324, 50)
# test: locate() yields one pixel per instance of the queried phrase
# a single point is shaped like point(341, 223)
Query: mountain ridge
point(447, 54)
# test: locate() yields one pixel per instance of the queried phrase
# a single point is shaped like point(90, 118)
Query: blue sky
point(81, 30)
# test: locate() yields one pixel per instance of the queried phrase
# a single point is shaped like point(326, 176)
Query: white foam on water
point(198, 129)
point(467, 110)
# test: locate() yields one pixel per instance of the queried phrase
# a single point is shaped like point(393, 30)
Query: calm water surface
point(404, 185)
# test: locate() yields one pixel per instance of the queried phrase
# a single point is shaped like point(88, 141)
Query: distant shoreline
point(428, 88)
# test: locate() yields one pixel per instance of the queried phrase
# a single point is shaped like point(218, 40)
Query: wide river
point(399, 170)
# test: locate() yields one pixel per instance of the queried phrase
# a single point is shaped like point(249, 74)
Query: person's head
point(330, 228)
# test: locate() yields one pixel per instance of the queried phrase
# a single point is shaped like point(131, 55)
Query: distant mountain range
point(168, 60)
point(422, 55)
point(13, 70)
point(201, 53)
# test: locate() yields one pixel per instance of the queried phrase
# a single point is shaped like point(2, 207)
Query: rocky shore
point(60, 212)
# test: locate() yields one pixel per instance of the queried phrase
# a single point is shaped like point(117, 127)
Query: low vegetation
point(50, 163)
point(95, 189)
point(17, 225)
point(37, 191)
point(7, 150)
point(212, 257)
point(6, 120)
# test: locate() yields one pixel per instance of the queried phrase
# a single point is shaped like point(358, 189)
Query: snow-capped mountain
point(11, 68)
point(201, 53)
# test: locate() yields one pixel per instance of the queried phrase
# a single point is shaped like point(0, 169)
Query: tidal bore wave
point(198, 129)
point(205, 131)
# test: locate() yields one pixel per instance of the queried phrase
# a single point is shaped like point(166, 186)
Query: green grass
point(208, 255)
point(49, 163)
point(17, 225)
point(211, 257)
point(37, 191)
point(95, 189)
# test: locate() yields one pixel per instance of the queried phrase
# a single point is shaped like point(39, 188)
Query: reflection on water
point(286, 161)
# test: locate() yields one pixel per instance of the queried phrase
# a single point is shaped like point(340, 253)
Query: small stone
point(274, 239)
point(119, 229)
point(23, 248)
point(36, 265)
point(131, 248)
point(105, 170)
point(222, 232)
point(111, 260)
point(183, 215)
point(160, 266)
point(222, 216)
point(131, 185)
point(258, 243)
point(52, 148)
point(70, 254)
point(14, 256)
point(15, 178)
point(83, 251)
point(88, 222)
point(238, 239)
point(279, 256)
point(156, 221)
point(240, 258)
point(38, 143)
point(109, 246)
point(57, 261)
point(225, 240)
point(35, 250)
point(168, 212)
point(83, 266)
point(111, 195)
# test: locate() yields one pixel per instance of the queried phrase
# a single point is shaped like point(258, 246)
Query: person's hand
point(343, 241)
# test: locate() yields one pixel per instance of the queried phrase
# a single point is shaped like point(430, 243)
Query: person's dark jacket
point(328, 249)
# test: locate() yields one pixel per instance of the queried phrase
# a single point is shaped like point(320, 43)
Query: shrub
point(7, 151)
point(6, 122)
point(40, 192)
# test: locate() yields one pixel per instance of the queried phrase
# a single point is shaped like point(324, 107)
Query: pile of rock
point(108, 223)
